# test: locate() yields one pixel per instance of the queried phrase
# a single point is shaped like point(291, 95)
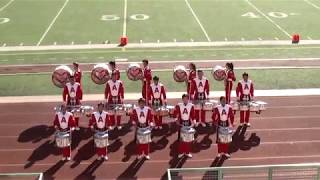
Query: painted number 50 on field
point(114, 17)
point(279, 15)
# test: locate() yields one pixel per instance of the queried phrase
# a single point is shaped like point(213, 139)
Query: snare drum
point(87, 110)
point(162, 111)
point(254, 107)
point(187, 134)
point(101, 139)
point(262, 105)
point(128, 108)
point(120, 110)
point(171, 110)
point(76, 112)
point(63, 139)
point(144, 135)
point(224, 134)
point(111, 109)
point(208, 106)
point(244, 106)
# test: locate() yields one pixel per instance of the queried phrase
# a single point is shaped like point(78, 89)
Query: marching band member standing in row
point(77, 72)
point(185, 115)
point(98, 122)
point(114, 94)
point(200, 92)
point(72, 95)
point(230, 77)
point(157, 98)
point(142, 118)
point(64, 122)
point(147, 77)
point(245, 92)
point(223, 117)
point(114, 69)
point(192, 74)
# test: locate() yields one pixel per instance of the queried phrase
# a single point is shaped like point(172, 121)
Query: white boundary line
point(312, 4)
point(269, 19)
point(6, 5)
point(124, 30)
point(198, 21)
point(52, 22)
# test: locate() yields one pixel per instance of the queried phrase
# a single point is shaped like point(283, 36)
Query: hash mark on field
point(4, 60)
point(52, 22)
point(276, 38)
point(260, 39)
point(20, 59)
point(124, 31)
point(4, 45)
point(52, 59)
point(197, 19)
point(6, 5)
point(309, 38)
point(312, 4)
point(269, 19)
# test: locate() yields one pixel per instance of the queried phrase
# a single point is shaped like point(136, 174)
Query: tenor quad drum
point(187, 134)
point(87, 110)
point(60, 76)
point(128, 108)
point(254, 107)
point(262, 105)
point(63, 139)
point(144, 135)
point(162, 111)
point(180, 74)
point(134, 72)
point(76, 112)
point(208, 106)
point(244, 106)
point(100, 73)
point(120, 110)
point(224, 134)
point(218, 73)
point(101, 139)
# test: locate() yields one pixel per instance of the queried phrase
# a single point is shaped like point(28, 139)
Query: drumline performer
point(245, 93)
point(64, 122)
point(223, 117)
point(72, 95)
point(157, 98)
point(191, 76)
point(99, 123)
point(147, 77)
point(200, 92)
point(185, 115)
point(142, 118)
point(114, 95)
point(77, 72)
point(114, 69)
point(230, 77)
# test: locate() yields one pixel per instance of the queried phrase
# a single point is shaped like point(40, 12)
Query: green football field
point(66, 22)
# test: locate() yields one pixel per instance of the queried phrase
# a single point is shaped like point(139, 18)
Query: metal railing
point(36, 176)
point(308, 171)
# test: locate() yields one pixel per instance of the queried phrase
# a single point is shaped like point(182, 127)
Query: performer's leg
point(156, 120)
point(66, 152)
point(247, 116)
point(119, 122)
point(139, 149)
point(182, 147)
point(101, 151)
point(77, 123)
point(197, 112)
point(146, 149)
point(111, 121)
point(220, 148)
point(160, 122)
point(227, 94)
point(242, 113)
point(203, 116)
point(144, 90)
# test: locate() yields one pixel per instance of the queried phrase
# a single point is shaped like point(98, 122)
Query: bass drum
point(100, 73)
point(180, 74)
point(134, 72)
point(218, 73)
point(60, 75)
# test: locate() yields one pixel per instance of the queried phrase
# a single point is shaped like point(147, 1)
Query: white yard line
point(6, 5)
point(198, 21)
point(124, 30)
point(312, 4)
point(52, 23)
point(269, 19)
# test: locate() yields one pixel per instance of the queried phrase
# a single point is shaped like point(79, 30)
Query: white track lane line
point(269, 19)
point(124, 30)
point(312, 4)
point(197, 19)
point(52, 22)
point(6, 5)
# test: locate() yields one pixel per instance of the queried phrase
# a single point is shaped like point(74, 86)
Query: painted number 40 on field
point(279, 15)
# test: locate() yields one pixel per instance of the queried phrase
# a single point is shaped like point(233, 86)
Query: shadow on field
point(88, 172)
point(35, 134)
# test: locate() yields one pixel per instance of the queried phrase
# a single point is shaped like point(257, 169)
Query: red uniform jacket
point(78, 76)
point(191, 76)
point(245, 90)
point(142, 117)
point(223, 114)
point(73, 92)
point(157, 92)
point(64, 121)
point(114, 91)
point(117, 72)
point(230, 77)
point(99, 120)
point(147, 75)
point(199, 87)
point(184, 113)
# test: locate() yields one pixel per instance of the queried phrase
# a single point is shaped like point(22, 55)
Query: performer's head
point(100, 107)
point(114, 77)
point(63, 108)
point(141, 102)
point(185, 98)
point(229, 66)
point(112, 64)
point(245, 76)
point(200, 74)
point(71, 79)
point(155, 80)
point(75, 66)
point(192, 66)
point(223, 100)
point(145, 62)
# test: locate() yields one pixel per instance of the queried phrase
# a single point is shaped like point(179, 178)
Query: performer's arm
point(238, 89)
point(252, 90)
point(192, 115)
point(134, 117)
point(65, 93)
point(121, 92)
point(56, 122)
point(71, 122)
point(207, 90)
point(231, 117)
point(106, 91)
point(92, 121)
point(80, 92)
point(164, 94)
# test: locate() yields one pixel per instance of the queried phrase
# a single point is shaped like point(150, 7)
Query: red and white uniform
point(117, 72)
point(200, 91)
point(228, 82)
point(72, 94)
point(114, 94)
point(64, 122)
point(99, 122)
point(185, 115)
point(147, 76)
point(192, 74)
point(78, 75)
point(245, 92)
point(223, 116)
point(142, 117)
point(157, 97)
